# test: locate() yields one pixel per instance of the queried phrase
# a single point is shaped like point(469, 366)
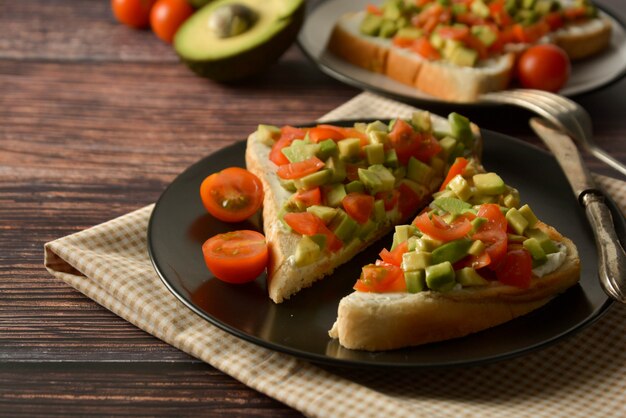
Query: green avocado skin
point(252, 61)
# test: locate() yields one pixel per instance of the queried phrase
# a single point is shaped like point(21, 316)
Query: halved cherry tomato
point(166, 17)
point(309, 197)
point(516, 269)
point(359, 206)
point(409, 202)
point(390, 198)
point(133, 13)
point(374, 10)
point(232, 195)
point(394, 257)
point(544, 67)
point(300, 169)
point(304, 223)
point(494, 215)
point(428, 147)
point(287, 135)
point(237, 256)
point(457, 168)
point(423, 47)
point(404, 140)
point(439, 229)
point(492, 234)
point(380, 279)
point(321, 133)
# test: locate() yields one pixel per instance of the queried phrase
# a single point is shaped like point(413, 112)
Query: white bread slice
point(385, 321)
point(583, 40)
point(440, 79)
point(284, 277)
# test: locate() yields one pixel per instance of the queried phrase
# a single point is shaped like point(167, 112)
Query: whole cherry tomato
point(133, 13)
point(167, 16)
point(544, 67)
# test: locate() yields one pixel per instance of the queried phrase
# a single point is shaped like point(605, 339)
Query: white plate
point(586, 75)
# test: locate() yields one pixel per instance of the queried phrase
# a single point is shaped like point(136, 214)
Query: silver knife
point(611, 255)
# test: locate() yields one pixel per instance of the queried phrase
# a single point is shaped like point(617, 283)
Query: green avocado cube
point(489, 184)
point(370, 180)
point(355, 187)
point(536, 251)
point(451, 251)
point(376, 126)
point(325, 213)
point(391, 159)
point(327, 148)
point(418, 171)
point(334, 194)
point(267, 133)
point(516, 220)
point(313, 180)
point(371, 24)
point(374, 153)
point(366, 229)
point(388, 28)
point(387, 179)
point(448, 145)
point(380, 214)
point(440, 277)
point(477, 248)
point(452, 205)
point(479, 8)
point(337, 169)
point(415, 281)
point(460, 187)
point(547, 244)
point(421, 121)
point(530, 216)
point(414, 260)
point(467, 276)
point(349, 149)
point(307, 252)
point(460, 128)
point(344, 226)
point(300, 150)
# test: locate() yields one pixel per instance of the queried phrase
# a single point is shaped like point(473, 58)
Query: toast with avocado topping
point(458, 50)
point(473, 259)
point(331, 191)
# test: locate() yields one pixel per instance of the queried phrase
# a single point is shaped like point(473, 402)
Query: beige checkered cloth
point(583, 376)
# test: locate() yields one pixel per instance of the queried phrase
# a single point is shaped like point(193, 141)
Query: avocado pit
point(232, 20)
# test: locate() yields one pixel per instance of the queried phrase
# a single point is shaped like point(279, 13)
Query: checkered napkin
point(582, 376)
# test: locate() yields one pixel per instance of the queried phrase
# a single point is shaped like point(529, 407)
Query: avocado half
point(236, 57)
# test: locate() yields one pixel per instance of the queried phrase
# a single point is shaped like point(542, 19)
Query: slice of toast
point(286, 275)
point(376, 321)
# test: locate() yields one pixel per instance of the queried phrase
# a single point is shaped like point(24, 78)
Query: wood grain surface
point(95, 120)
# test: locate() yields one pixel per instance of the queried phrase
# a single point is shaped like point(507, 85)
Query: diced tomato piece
point(394, 257)
point(530, 34)
point(323, 132)
point(299, 169)
point(403, 42)
point(554, 20)
point(423, 47)
point(352, 171)
point(428, 148)
point(309, 197)
point(404, 140)
point(374, 10)
point(469, 19)
point(458, 33)
point(575, 13)
point(477, 45)
point(304, 223)
point(381, 279)
point(359, 206)
point(390, 198)
point(516, 269)
point(333, 243)
point(440, 230)
point(287, 135)
point(494, 215)
point(458, 167)
point(410, 201)
point(499, 13)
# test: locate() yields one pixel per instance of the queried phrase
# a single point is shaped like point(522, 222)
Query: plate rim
point(353, 82)
point(350, 363)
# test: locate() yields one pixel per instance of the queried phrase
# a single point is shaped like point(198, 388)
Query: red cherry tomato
point(381, 279)
point(236, 257)
point(232, 195)
point(516, 269)
point(133, 13)
point(166, 17)
point(544, 67)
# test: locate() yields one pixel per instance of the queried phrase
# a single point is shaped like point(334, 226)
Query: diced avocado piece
point(417, 188)
point(460, 187)
point(543, 7)
point(440, 277)
point(418, 171)
point(426, 244)
point(421, 121)
point(316, 179)
point(516, 221)
point(388, 180)
point(328, 148)
point(300, 150)
point(510, 6)
point(528, 4)
point(307, 251)
point(349, 149)
point(334, 194)
point(355, 187)
point(511, 200)
point(526, 17)
point(530, 216)
point(325, 213)
point(451, 251)
point(477, 223)
point(476, 248)
point(479, 199)
point(287, 184)
point(463, 57)
point(489, 183)
point(376, 126)
point(479, 8)
point(400, 173)
point(344, 226)
point(444, 193)
point(436, 40)
point(388, 28)
point(392, 10)
point(391, 158)
point(366, 229)
point(379, 210)
point(415, 281)
point(460, 128)
point(378, 137)
point(485, 34)
point(416, 260)
point(337, 169)
point(459, 9)
point(320, 240)
point(370, 180)
point(448, 145)
point(411, 243)
point(267, 133)
point(374, 153)
point(536, 250)
point(371, 24)
point(409, 33)
point(515, 238)
point(467, 276)
point(403, 232)
point(452, 205)
point(547, 244)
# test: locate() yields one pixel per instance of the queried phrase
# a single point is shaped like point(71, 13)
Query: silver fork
point(565, 114)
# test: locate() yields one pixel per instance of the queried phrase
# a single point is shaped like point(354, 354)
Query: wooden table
point(95, 120)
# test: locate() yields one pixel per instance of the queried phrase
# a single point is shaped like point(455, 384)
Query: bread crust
point(585, 40)
point(373, 322)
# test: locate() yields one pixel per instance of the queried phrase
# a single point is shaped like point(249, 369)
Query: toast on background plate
point(470, 261)
point(457, 50)
point(331, 191)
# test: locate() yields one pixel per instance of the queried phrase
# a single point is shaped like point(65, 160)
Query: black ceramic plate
point(179, 225)
point(586, 75)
